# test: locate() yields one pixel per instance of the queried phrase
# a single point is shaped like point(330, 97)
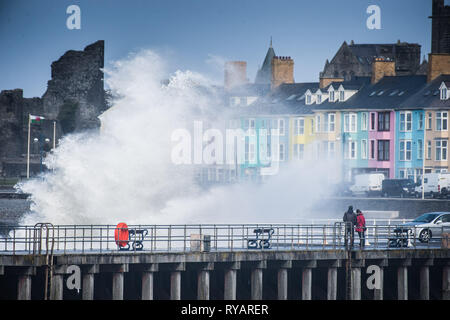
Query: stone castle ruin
point(75, 97)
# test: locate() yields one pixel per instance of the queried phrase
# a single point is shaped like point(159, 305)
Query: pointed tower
point(264, 75)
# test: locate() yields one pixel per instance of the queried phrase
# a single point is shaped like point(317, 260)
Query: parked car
point(398, 188)
point(435, 185)
point(367, 184)
point(427, 226)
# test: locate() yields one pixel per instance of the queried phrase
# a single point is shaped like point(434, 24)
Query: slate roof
point(288, 98)
point(355, 84)
point(429, 96)
point(389, 93)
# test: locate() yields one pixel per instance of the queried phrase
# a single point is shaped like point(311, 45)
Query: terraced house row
point(397, 125)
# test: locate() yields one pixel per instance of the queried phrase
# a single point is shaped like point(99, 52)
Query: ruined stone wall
point(75, 97)
point(77, 84)
point(14, 109)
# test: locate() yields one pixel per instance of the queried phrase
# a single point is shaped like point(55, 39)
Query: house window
point(308, 99)
point(372, 121)
point(363, 149)
point(430, 118)
point(405, 150)
point(252, 153)
point(319, 98)
point(429, 145)
point(441, 121)
point(383, 121)
point(279, 124)
point(444, 92)
point(341, 95)
point(420, 124)
point(299, 150)
point(383, 150)
point(419, 149)
point(372, 149)
point(364, 121)
point(350, 153)
point(441, 150)
point(282, 152)
point(350, 122)
point(331, 96)
point(311, 122)
point(318, 123)
point(251, 124)
point(331, 121)
point(299, 126)
point(405, 121)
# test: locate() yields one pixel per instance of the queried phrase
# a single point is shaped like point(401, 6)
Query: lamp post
point(41, 143)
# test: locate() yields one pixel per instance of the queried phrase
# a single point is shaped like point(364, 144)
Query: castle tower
point(264, 75)
point(440, 37)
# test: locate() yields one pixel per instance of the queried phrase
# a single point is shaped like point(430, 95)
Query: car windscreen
point(428, 217)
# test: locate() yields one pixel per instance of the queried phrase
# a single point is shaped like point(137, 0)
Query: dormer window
point(319, 98)
point(444, 91)
point(341, 95)
point(308, 99)
point(331, 96)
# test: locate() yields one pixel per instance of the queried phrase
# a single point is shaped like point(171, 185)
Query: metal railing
point(67, 239)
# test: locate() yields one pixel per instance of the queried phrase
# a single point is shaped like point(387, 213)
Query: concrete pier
point(87, 289)
point(332, 284)
point(175, 281)
point(230, 281)
point(425, 283)
point(24, 283)
point(56, 282)
point(402, 282)
point(118, 271)
point(20, 271)
point(203, 281)
point(257, 284)
point(355, 284)
point(446, 282)
point(282, 280)
point(378, 293)
point(147, 281)
point(307, 284)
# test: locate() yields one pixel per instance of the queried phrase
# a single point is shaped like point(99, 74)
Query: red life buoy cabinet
point(121, 234)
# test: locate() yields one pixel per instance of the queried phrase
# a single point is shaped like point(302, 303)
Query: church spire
point(271, 41)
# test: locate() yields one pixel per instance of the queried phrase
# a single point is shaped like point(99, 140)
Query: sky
point(198, 35)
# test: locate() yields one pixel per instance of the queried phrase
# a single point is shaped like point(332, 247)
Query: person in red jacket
point(360, 227)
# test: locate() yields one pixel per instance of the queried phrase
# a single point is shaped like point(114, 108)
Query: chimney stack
point(235, 74)
point(282, 71)
point(382, 67)
point(438, 64)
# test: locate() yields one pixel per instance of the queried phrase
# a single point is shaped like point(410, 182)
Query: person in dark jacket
point(350, 222)
point(360, 227)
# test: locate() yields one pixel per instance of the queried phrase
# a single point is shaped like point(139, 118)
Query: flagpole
point(28, 147)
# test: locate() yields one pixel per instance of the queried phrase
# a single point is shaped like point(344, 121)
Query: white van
point(436, 185)
point(367, 183)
